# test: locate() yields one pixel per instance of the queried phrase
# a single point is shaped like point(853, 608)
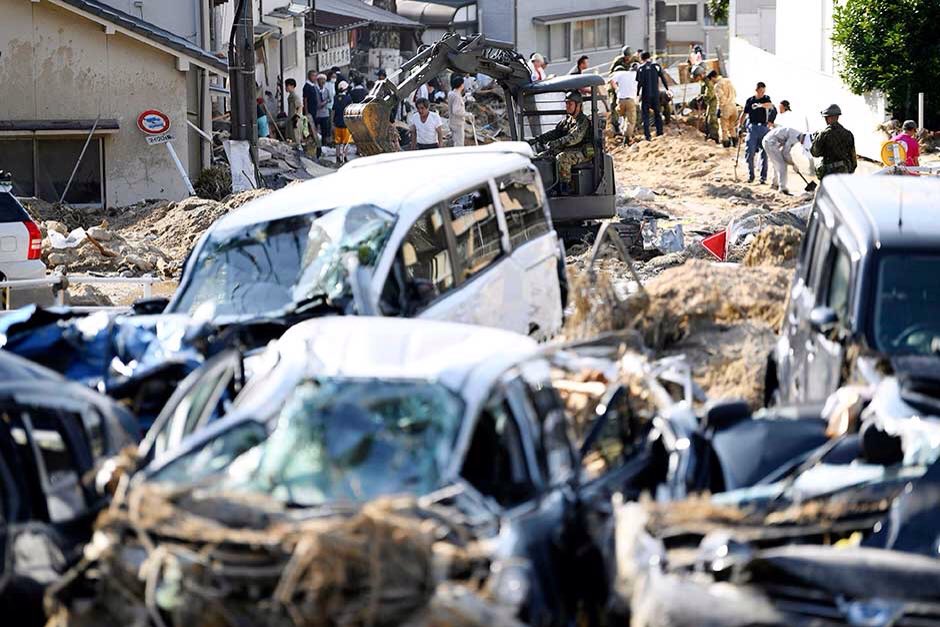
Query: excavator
point(532, 108)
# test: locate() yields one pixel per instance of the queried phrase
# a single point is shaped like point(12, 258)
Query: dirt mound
point(698, 295)
point(775, 246)
point(152, 236)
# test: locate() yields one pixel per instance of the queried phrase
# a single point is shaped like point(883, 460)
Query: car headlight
point(509, 583)
point(871, 612)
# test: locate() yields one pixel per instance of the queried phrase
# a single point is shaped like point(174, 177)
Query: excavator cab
point(541, 106)
point(533, 108)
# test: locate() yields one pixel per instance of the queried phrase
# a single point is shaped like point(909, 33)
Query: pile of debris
point(490, 122)
point(722, 317)
point(220, 558)
point(280, 164)
point(152, 237)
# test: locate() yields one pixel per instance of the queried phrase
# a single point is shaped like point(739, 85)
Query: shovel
point(810, 186)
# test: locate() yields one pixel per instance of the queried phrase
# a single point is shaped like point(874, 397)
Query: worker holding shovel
point(778, 144)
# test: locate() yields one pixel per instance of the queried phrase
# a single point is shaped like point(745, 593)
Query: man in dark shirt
point(648, 77)
point(311, 95)
point(358, 92)
point(759, 112)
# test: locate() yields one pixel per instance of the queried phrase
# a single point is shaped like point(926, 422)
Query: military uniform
point(836, 146)
point(711, 109)
point(572, 142)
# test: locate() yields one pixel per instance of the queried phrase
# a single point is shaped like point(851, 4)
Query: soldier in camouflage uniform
point(836, 146)
point(711, 106)
point(571, 141)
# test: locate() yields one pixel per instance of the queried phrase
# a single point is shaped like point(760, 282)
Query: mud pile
point(775, 246)
point(723, 317)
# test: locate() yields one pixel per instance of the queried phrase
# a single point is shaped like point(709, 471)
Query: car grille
point(804, 601)
point(817, 604)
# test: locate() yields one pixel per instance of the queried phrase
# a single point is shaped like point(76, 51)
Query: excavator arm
point(371, 121)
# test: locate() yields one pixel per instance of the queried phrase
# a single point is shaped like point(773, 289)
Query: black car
point(56, 438)
point(846, 535)
point(867, 285)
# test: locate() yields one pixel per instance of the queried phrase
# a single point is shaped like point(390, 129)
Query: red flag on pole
point(716, 244)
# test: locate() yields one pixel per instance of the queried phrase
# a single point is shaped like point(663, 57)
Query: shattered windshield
point(339, 440)
point(279, 266)
point(907, 301)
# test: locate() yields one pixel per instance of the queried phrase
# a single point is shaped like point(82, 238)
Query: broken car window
point(353, 440)
point(908, 297)
point(495, 462)
point(275, 267)
point(522, 203)
point(427, 265)
point(476, 228)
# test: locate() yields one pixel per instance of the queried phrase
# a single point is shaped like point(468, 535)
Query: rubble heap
point(775, 246)
point(723, 317)
point(152, 237)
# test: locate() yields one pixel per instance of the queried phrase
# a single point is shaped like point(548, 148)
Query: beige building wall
point(55, 65)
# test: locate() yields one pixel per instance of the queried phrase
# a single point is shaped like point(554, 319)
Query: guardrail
point(60, 283)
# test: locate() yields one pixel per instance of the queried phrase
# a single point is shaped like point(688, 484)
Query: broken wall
point(56, 65)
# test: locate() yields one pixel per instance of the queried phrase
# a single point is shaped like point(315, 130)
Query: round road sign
point(153, 122)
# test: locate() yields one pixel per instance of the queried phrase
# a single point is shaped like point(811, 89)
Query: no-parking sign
point(153, 122)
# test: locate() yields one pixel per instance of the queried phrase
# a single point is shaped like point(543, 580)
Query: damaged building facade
point(79, 71)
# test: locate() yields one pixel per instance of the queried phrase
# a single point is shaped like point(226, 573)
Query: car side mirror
point(150, 306)
point(723, 414)
point(824, 321)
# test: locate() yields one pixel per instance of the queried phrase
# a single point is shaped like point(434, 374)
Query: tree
point(890, 46)
point(718, 10)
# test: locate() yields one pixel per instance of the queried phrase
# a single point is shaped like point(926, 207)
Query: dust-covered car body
point(866, 284)
point(398, 406)
point(56, 440)
point(845, 535)
point(460, 234)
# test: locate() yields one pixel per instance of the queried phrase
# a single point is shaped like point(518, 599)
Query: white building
point(787, 44)
point(75, 76)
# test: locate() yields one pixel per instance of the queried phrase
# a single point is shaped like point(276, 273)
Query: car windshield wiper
point(313, 303)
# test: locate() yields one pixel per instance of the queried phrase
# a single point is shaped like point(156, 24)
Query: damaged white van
point(457, 234)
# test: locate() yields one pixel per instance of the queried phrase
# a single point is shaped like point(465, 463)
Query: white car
point(20, 245)
point(458, 234)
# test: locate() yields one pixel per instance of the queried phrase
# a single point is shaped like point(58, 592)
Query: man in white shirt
point(457, 110)
point(624, 81)
point(427, 129)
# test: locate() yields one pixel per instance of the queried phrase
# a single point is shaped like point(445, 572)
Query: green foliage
point(718, 10)
point(891, 46)
point(214, 183)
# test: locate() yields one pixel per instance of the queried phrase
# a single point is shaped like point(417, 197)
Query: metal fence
point(60, 283)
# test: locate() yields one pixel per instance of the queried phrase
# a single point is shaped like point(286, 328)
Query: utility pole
point(241, 61)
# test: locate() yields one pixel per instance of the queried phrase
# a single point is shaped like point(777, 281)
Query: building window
point(599, 34)
point(552, 42)
point(41, 168)
point(681, 12)
point(289, 46)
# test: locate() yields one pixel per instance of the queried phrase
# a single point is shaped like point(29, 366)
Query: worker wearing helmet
point(571, 142)
point(835, 144)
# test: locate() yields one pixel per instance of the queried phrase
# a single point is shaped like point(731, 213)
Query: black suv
point(868, 275)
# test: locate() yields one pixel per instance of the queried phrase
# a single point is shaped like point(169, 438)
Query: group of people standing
point(771, 136)
point(316, 113)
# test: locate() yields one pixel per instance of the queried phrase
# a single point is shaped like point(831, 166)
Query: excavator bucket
point(370, 124)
